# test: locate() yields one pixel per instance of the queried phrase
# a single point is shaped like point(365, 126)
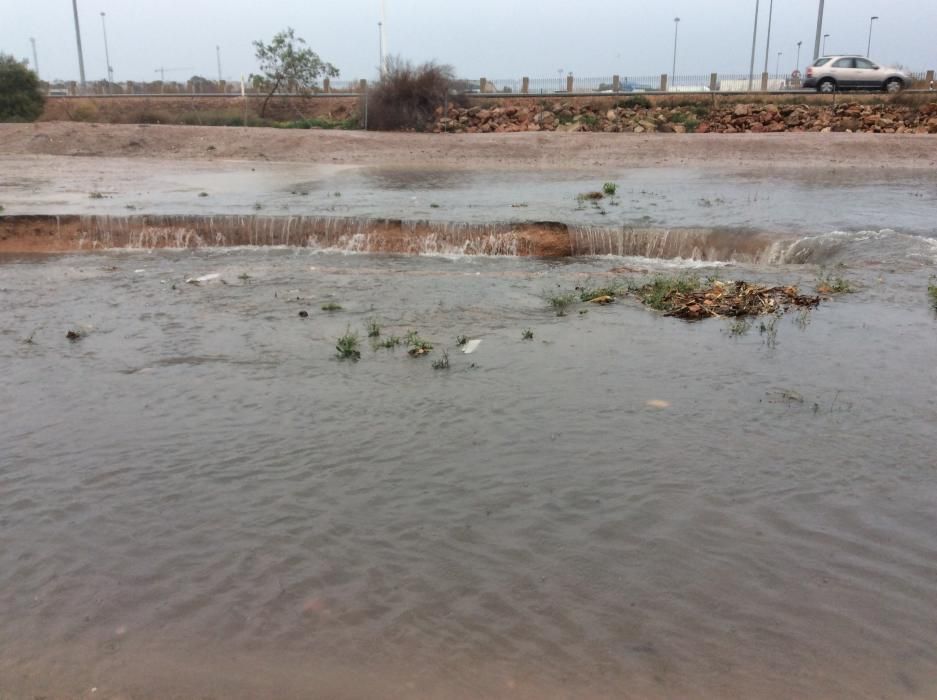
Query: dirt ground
point(539, 151)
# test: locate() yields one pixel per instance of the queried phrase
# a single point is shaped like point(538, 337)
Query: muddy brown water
point(198, 500)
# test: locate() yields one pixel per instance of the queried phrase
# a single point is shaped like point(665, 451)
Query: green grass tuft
point(347, 346)
point(331, 306)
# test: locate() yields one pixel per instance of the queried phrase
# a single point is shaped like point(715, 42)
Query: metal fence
point(559, 84)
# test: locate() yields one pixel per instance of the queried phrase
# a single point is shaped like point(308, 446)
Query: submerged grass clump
point(932, 293)
point(461, 340)
point(660, 292)
point(374, 328)
point(389, 343)
point(609, 188)
point(331, 306)
point(527, 334)
point(561, 302)
point(417, 345)
point(442, 362)
point(830, 284)
point(607, 292)
point(347, 346)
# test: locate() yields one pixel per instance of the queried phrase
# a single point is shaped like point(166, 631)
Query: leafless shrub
point(408, 96)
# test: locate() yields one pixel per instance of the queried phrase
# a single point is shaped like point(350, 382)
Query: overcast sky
point(490, 38)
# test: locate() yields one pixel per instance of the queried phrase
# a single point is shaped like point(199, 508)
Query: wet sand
point(468, 151)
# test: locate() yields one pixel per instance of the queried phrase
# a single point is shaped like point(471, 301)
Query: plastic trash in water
point(204, 278)
point(471, 346)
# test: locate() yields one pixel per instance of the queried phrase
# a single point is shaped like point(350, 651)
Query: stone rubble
point(631, 116)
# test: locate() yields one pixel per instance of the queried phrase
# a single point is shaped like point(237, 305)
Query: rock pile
point(630, 115)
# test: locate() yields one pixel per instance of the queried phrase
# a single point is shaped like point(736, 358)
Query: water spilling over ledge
point(46, 233)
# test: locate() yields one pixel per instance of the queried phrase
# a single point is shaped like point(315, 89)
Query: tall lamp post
point(218, 57)
point(824, 43)
point(81, 58)
point(673, 71)
point(816, 43)
point(768, 40)
point(777, 66)
point(32, 40)
point(751, 67)
point(797, 66)
point(107, 55)
point(868, 49)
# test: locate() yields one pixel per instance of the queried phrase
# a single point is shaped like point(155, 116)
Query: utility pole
point(81, 58)
point(218, 56)
point(107, 55)
point(797, 65)
point(768, 41)
point(383, 38)
point(777, 67)
point(868, 49)
point(816, 43)
point(751, 68)
point(32, 40)
point(824, 43)
point(673, 72)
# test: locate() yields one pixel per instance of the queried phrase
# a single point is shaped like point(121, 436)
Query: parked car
point(834, 73)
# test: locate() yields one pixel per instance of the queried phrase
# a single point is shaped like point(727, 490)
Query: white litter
point(203, 278)
point(471, 346)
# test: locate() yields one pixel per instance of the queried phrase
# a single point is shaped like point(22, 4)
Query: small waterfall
point(701, 244)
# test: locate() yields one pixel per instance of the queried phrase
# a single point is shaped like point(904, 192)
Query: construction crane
point(162, 74)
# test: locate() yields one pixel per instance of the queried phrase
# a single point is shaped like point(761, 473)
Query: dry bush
point(408, 96)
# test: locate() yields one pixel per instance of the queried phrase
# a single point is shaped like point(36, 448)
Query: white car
point(835, 73)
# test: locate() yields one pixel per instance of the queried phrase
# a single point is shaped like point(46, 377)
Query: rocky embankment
point(631, 116)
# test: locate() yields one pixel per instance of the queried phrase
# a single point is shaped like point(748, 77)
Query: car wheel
point(827, 85)
point(894, 85)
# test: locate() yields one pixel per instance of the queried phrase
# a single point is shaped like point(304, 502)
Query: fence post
point(616, 83)
point(569, 83)
point(663, 82)
point(764, 82)
point(713, 82)
point(525, 85)
point(483, 84)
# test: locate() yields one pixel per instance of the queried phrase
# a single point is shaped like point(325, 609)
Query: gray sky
point(491, 38)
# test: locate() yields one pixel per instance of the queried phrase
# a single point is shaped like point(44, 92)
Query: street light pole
point(107, 55)
point(797, 65)
point(383, 42)
point(868, 49)
point(751, 68)
point(673, 72)
point(218, 57)
point(81, 58)
point(777, 66)
point(768, 40)
point(32, 40)
point(816, 45)
point(824, 43)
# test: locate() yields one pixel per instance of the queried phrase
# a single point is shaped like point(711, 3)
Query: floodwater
point(197, 500)
point(776, 201)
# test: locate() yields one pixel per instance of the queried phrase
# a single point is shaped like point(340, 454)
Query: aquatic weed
point(442, 362)
point(561, 302)
point(417, 345)
point(461, 340)
point(769, 329)
point(932, 293)
point(829, 284)
point(659, 292)
point(739, 327)
point(592, 293)
point(527, 334)
point(609, 188)
point(388, 343)
point(347, 346)
point(374, 328)
point(331, 306)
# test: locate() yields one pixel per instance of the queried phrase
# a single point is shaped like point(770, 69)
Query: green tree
point(21, 99)
point(287, 60)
